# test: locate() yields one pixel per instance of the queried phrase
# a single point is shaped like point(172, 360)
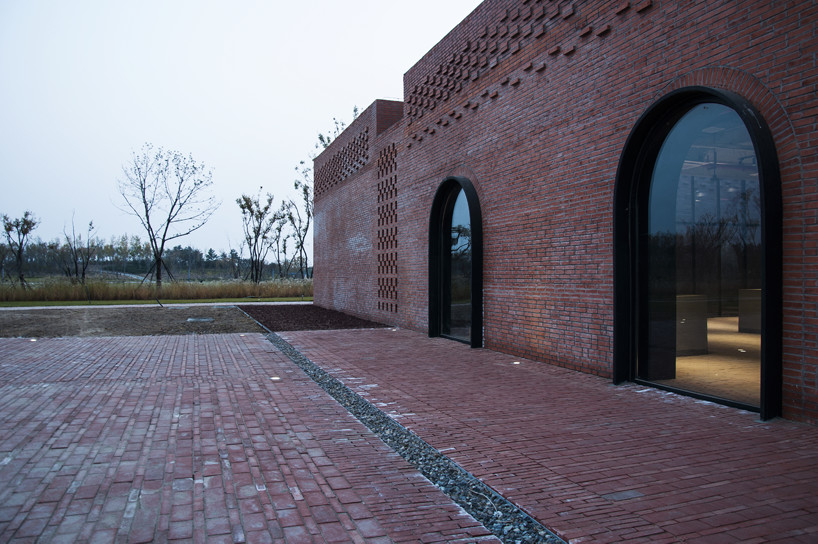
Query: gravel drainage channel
point(507, 521)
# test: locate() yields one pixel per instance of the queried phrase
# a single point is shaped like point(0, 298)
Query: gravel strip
point(507, 521)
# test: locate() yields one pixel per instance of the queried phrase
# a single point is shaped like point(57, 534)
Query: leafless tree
point(78, 253)
point(279, 246)
point(300, 219)
point(17, 233)
point(258, 221)
point(169, 193)
point(298, 212)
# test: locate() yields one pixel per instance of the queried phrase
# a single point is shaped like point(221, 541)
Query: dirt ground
point(304, 317)
point(170, 320)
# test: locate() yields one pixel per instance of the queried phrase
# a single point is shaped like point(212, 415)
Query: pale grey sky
point(245, 86)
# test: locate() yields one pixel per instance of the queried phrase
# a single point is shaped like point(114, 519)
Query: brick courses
point(592, 462)
point(533, 102)
point(189, 439)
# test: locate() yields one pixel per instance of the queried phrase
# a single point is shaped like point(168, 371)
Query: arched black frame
point(632, 181)
point(439, 241)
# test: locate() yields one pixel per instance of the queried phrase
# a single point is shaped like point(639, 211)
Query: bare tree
point(300, 220)
point(78, 254)
point(279, 245)
point(258, 221)
point(17, 233)
point(168, 192)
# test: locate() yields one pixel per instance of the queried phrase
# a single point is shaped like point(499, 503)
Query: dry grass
point(62, 290)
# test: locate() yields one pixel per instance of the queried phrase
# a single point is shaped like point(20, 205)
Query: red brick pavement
point(592, 461)
point(196, 439)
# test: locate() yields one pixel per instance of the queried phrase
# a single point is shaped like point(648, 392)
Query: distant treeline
point(129, 256)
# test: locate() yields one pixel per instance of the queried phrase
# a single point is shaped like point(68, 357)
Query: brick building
point(627, 189)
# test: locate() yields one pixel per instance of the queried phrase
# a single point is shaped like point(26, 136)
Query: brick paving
point(223, 439)
point(209, 438)
point(592, 461)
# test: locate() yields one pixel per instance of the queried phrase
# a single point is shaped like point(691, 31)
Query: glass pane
point(459, 256)
point(704, 259)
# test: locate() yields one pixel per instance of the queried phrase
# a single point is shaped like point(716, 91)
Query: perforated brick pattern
point(388, 229)
point(346, 162)
point(562, 30)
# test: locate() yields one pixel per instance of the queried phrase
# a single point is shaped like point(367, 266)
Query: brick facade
point(533, 102)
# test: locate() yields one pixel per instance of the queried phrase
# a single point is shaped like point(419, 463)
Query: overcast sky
point(244, 86)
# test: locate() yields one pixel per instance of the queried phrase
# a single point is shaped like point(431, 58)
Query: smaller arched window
point(455, 263)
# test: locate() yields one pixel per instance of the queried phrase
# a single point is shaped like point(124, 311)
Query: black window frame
point(440, 242)
point(632, 182)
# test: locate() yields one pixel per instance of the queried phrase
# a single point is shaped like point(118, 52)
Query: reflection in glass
point(456, 320)
point(703, 266)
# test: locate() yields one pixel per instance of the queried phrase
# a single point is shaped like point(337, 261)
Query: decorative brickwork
point(387, 251)
point(493, 44)
point(563, 27)
point(351, 158)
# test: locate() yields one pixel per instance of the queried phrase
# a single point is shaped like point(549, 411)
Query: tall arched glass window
point(456, 263)
point(697, 252)
point(703, 259)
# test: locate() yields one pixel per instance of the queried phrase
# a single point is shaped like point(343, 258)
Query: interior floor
point(730, 370)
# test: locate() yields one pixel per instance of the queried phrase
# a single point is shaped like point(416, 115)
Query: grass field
point(59, 291)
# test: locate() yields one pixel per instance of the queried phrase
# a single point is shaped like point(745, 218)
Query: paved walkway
point(223, 439)
point(592, 461)
point(196, 439)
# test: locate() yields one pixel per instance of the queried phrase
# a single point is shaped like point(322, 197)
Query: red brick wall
point(533, 102)
point(347, 270)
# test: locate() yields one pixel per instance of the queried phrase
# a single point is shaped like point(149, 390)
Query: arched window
point(456, 263)
point(698, 252)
